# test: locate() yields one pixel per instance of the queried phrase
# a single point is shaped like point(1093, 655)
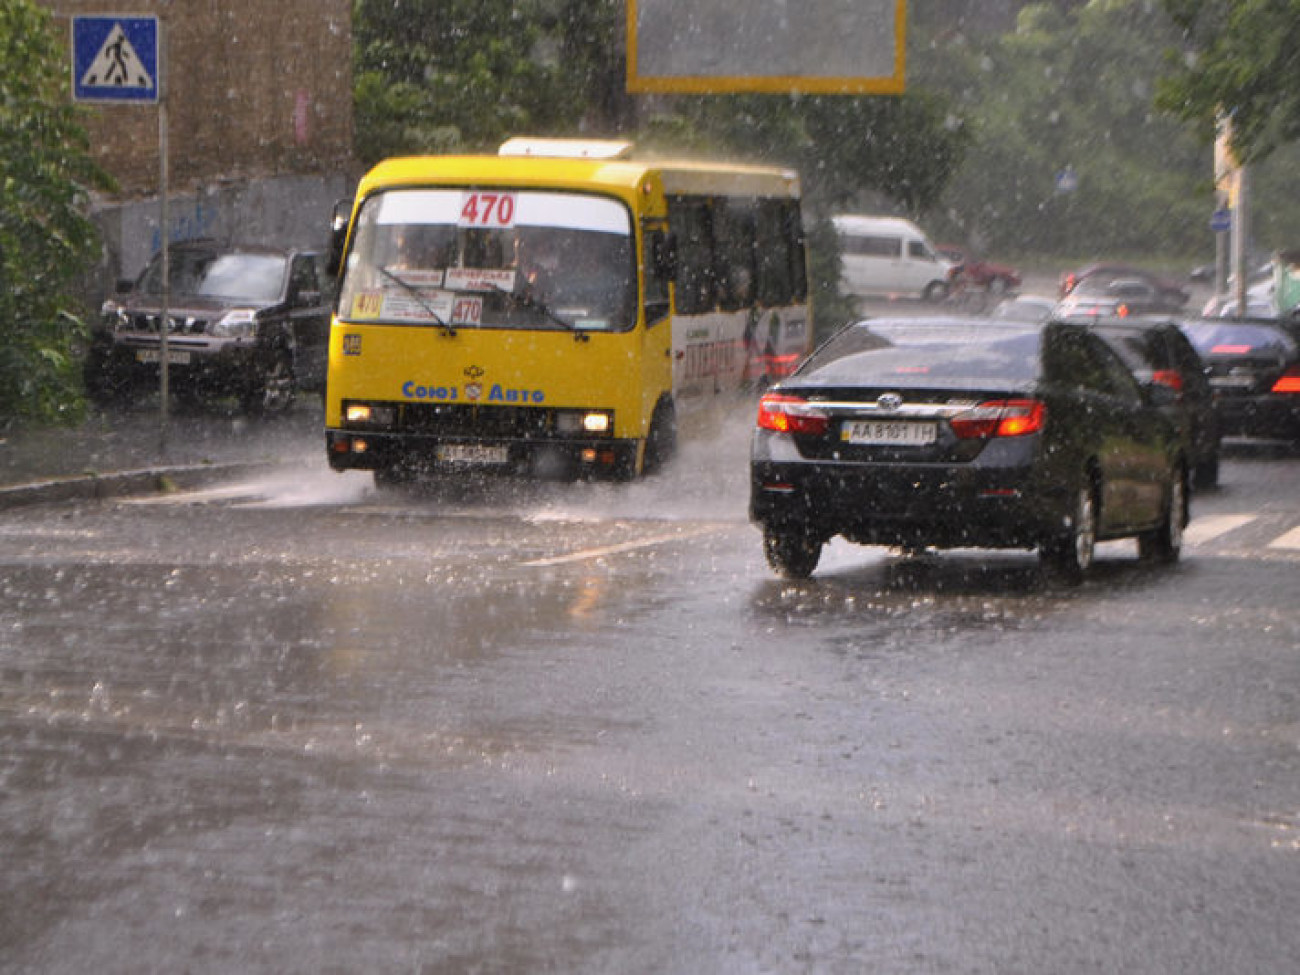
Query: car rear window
point(1217, 338)
point(943, 353)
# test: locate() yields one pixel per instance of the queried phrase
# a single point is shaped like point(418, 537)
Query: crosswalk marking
point(1290, 540)
point(1202, 530)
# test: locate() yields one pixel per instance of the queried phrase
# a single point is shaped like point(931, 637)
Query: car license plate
point(889, 432)
point(1232, 382)
point(154, 356)
point(473, 453)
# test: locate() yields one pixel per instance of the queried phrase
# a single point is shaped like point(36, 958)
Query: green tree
point(1072, 88)
point(1239, 58)
point(46, 237)
point(443, 75)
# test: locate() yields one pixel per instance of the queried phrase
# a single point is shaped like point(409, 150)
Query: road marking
point(586, 554)
point(1202, 530)
point(1290, 540)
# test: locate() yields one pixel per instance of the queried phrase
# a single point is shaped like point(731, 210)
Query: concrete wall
point(285, 210)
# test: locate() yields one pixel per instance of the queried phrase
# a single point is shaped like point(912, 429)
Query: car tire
point(275, 389)
point(998, 287)
point(791, 552)
point(1070, 556)
point(1165, 543)
point(935, 291)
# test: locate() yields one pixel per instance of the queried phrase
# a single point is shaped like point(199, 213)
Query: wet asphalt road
point(291, 725)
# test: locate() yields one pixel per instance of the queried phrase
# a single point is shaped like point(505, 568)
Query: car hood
point(195, 305)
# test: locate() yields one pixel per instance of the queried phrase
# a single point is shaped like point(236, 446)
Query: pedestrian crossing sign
point(115, 59)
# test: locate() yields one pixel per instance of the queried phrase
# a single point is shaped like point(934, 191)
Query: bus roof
point(619, 175)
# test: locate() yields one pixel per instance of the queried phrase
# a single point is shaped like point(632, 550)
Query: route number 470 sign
point(488, 210)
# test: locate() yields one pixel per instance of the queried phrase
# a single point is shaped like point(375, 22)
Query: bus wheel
point(661, 441)
point(392, 477)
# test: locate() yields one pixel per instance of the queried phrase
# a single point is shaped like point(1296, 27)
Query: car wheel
point(1070, 555)
point(998, 287)
point(275, 391)
point(791, 552)
point(1166, 542)
point(935, 291)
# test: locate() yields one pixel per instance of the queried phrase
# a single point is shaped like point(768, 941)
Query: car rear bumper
point(1272, 417)
point(939, 506)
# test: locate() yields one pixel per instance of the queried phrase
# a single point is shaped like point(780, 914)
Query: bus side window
point(782, 278)
point(696, 279)
point(734, 231)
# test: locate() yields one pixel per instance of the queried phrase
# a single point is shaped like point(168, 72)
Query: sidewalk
point(125, 452)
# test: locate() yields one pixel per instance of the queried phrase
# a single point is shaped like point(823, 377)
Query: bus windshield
point(491, 259)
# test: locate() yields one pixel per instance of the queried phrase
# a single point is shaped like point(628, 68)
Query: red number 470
point(488, 210)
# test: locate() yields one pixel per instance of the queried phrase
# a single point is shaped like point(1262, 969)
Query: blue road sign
point(115, 59)
point(1221, 221)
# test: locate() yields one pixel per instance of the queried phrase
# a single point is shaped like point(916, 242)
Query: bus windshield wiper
point(414, 292)
point(537, 305)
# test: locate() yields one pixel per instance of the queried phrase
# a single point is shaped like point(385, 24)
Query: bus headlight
point(591, 422)
point(368, 415)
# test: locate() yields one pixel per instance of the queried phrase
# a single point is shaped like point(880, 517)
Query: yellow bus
point(559, 309)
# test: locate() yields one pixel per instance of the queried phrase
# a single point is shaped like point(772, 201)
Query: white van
point(889, 256)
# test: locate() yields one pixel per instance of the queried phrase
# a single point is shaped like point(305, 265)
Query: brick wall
point(254, 89)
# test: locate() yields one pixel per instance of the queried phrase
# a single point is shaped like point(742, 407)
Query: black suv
point(248, 321)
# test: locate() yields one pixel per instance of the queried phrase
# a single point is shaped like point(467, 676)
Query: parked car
point(1100, 296)
point(1171, 295)
point(995, 278)
point(1158, 351)
point(1254, 372)
point(889, 256)
point(966, 432)
point(250, 321)
point(1024, 308)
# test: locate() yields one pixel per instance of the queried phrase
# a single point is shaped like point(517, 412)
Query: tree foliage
point(46, 237)
point(1071, 91)
point(1240, 60)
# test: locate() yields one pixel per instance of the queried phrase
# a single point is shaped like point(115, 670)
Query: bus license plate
point(473, 453)
point(889, 432)
point(153, 357)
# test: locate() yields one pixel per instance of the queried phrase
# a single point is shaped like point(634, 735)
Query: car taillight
point(790, 414)
point(1289, 381)
point(1168, 377)
point(1000, 418)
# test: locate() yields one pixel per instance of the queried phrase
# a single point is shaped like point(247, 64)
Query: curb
point(96, 487)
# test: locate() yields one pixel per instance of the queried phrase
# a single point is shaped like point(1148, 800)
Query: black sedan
point(1255, 373)
point(247, 321)
point(949, 433)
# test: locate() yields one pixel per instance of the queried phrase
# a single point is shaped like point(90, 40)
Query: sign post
point(118, 60)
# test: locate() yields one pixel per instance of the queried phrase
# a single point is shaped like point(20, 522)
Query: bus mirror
point(663, 249)
point(339, 233)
